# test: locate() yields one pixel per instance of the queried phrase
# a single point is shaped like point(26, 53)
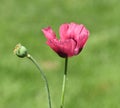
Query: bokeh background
point(94, 75)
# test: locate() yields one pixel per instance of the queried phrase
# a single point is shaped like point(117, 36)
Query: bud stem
point(64, 83)
point(43, 76)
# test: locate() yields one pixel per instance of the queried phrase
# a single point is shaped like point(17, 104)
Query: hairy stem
point(43, 76)
point(64, 83)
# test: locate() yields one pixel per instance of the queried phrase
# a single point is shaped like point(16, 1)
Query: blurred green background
point(94, 75)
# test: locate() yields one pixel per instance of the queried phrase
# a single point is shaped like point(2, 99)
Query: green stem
point(43, 76)
point(64, 83)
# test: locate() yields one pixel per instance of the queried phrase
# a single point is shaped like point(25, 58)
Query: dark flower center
point(61, 54)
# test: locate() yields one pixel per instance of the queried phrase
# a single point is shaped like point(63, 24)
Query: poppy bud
point(20, 51)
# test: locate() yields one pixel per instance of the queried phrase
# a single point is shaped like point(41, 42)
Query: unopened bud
point(20, 51)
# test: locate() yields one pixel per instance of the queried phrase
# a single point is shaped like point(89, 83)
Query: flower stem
point(64, 83)
point(43, 76)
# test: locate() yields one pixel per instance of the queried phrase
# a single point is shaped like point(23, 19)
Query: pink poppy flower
point(72, 39)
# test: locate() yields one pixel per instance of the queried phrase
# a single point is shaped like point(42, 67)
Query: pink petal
point(63, 31)
point(75, 30)
point(81, 41)
point(63, 48)
point(48, 32)
point(71, 30)
point(66, 31)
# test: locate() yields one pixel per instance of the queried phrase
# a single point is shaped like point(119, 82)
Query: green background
point(93, 75)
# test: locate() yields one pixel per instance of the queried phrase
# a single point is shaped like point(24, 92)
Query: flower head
point(72, 39)
point(20, 51)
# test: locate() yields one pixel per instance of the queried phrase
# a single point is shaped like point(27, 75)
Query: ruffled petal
point(49, 33)
point(81, 41)
point(63, 31)
point(63, 48)
point(70, 31)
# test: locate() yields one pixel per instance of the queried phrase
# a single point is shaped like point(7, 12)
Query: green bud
point(20, 51)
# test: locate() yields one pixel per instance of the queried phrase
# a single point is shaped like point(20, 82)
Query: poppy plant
point(72, 39)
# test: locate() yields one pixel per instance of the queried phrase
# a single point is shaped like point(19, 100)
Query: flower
point(72, 39)
point(20, 51)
